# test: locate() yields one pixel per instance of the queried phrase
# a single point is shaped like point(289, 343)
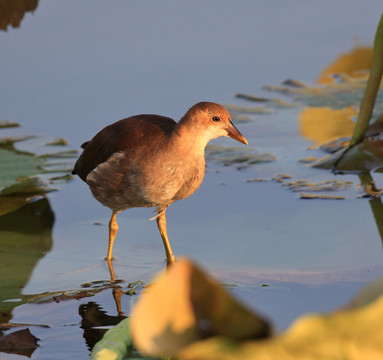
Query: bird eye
point(216, 118)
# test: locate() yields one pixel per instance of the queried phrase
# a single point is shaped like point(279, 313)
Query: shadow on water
point(25, 237)
point(93, 318)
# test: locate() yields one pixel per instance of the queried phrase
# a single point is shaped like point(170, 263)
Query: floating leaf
point(8, 124)
point(14, 166)
point(9, 141)
point(69, 154)
point(363, 157)
point(325, 197)
point(57, 142)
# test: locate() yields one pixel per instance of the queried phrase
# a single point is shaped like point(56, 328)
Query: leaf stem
point(372, 88)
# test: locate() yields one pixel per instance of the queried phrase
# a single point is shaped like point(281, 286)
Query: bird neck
point(190, 139)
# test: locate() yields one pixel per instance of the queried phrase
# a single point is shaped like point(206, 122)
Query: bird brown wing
point(123, 135)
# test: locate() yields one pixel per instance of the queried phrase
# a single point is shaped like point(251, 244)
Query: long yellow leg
point(111, 271)
point(161, 223)
point(113, 228)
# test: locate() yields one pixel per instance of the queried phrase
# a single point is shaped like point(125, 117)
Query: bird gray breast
point(189, 178)
point(127, 180)
point(168, 179)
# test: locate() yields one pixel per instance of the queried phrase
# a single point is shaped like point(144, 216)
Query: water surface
point(71, 68)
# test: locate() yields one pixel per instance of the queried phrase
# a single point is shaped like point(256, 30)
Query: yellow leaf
point(183, 306)
point(344, 335)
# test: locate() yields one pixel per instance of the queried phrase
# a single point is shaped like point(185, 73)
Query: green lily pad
point(363, 157)
point(23, 174)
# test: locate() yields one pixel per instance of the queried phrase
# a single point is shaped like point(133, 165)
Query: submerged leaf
point(247, 110)
point(328, 185)
point(335, 95)
point(236, 155)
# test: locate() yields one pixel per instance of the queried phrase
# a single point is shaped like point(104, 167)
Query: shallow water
point(72, 68)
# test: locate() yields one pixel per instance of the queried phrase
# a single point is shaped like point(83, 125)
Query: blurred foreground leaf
point(188, 316)
point(183, 306)
point(346, 335)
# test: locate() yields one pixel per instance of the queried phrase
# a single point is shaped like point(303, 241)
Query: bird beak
point(234, 133)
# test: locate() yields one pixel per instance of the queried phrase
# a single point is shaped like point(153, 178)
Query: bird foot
point(109, 259)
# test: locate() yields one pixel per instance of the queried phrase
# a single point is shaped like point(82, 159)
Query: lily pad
point(23, 174)
point(363, 157)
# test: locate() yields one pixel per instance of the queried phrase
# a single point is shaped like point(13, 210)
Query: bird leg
point(161, 223)
point(113, 228)
point(111, 271)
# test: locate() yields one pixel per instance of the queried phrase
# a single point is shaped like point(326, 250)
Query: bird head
point(213, 121)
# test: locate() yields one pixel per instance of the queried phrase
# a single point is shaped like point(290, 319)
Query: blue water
point(73, 67)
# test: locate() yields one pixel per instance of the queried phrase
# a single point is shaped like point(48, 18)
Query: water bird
point(151, 161)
